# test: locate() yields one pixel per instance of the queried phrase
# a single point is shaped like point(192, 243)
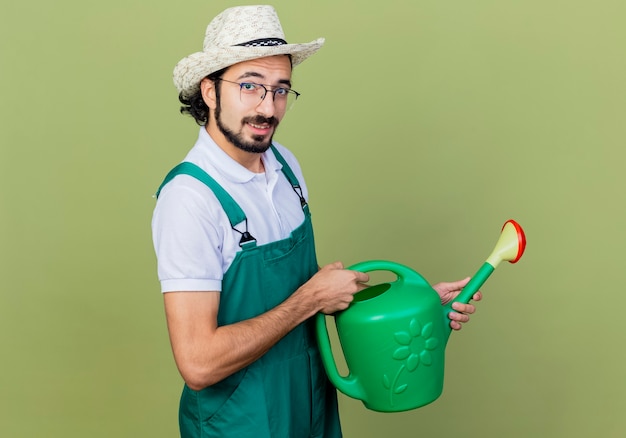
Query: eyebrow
point(253, 74)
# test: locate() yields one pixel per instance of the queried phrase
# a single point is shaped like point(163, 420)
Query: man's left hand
point(447, 292)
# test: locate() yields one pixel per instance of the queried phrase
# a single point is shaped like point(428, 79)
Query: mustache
point(260, 120)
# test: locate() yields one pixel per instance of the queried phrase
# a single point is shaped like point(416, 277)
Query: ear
point(207, 88)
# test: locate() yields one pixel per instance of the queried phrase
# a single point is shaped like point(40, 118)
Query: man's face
point(247, 123)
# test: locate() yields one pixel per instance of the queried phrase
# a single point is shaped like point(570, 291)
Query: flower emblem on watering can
point(414, 349)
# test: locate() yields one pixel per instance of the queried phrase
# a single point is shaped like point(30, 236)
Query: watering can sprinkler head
point(510, 246)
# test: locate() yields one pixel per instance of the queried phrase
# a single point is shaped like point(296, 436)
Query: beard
point(258, 144)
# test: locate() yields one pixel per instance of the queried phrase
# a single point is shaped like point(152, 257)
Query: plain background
point(423, 126)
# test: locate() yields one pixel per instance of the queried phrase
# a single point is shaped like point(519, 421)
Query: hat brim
point(190, 70)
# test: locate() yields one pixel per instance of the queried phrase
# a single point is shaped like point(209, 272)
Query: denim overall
point(285, 393)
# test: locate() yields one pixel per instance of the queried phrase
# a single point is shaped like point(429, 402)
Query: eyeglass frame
point(265, 90)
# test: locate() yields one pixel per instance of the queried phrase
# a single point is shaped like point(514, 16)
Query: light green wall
point(423, 126)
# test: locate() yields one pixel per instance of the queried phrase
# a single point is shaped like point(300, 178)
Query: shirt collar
point(231, 169)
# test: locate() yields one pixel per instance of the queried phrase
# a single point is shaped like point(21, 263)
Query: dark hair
point(194, 105)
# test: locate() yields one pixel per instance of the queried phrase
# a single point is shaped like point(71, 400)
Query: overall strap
point(291, 177)
point(233, 211)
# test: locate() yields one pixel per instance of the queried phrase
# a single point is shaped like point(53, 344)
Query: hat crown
point(242, 24)
point(237, 35)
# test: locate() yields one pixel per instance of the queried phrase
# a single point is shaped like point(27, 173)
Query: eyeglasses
point(251, 93)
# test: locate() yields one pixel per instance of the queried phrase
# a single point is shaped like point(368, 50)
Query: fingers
point(464, 308)
point(459, 284)
point(462, 311)
point(334, 265)
point(360, 277)
point(461, 315)
point(453, 287)
point(362, 286)
point(455, 325)
point(457, 319)
point(333, 287)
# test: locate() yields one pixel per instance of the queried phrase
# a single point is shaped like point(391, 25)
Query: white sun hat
point(238, 34)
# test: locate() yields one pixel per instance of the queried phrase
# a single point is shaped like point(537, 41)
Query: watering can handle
point(404, 273)
point(348, 385)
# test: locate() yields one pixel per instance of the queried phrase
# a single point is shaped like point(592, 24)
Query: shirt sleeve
point(187, 237)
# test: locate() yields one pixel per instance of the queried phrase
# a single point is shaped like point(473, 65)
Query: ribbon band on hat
point(264, 42)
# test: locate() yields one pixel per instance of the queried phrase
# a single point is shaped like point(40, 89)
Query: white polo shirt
point(192, 237)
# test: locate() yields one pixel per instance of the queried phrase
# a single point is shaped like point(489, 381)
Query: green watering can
point(393, 335)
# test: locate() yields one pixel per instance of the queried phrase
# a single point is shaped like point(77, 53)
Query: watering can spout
point(510, 247)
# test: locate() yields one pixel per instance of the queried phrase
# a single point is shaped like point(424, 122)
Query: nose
point(266, 106)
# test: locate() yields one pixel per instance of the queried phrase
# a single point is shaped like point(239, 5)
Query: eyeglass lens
point(252, 94)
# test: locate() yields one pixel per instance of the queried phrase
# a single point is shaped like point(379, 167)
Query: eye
point(249, 87)
point(281, 92)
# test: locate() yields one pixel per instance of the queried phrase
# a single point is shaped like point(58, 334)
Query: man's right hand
point(332, 288)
